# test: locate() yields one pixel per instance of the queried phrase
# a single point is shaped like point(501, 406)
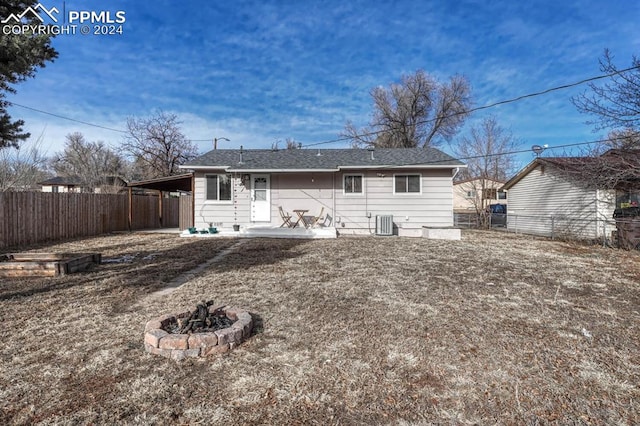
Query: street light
point(215, 142)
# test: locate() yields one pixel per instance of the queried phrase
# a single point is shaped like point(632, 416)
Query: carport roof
point(181, 182)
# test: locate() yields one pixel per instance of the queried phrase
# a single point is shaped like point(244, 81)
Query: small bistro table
point(300, 213)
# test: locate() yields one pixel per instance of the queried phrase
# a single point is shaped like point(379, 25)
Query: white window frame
point(344, 188)
point(206, 189)
point(407, 193)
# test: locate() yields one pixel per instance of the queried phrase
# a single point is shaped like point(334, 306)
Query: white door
point(260, 198)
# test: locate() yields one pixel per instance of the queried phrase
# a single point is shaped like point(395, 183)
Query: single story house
point(571, 196)
point(110, 184)
point(354, 191)
point(474, 195)
point(61, 184)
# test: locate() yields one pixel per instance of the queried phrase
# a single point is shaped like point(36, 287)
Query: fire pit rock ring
point(174, 336)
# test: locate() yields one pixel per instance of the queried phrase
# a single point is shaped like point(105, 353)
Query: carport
point(182, 184)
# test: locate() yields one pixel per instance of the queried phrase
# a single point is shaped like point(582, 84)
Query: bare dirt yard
point(493, 329)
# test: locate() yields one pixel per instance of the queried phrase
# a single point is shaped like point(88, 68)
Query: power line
point(65, 118)
point(495, 104)
point(520, 151)
point(83, 122)
point(344, 139)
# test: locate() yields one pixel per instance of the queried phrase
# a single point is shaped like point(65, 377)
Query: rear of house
point(347, 188)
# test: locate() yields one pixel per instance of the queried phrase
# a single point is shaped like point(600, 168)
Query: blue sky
point(257, 72)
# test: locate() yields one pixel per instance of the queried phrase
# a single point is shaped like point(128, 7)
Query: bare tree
point(22, 168)
point(93, 163)
point(417, 112)
point(290, 143)
point(488, 151)
point(622, 139)
point(158, 145)
point(616, 104)
point(614, 169)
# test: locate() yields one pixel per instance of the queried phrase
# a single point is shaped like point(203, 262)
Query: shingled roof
point(288, 160)
point(615, 169)
point(63, 181)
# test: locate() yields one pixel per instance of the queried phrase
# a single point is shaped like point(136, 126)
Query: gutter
point(230, 169)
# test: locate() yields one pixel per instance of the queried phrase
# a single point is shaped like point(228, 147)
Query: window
point(471, 193)
point(353, 184)
point(489, 194)
point(218, 187)
point(502, 195)
point(407, 184)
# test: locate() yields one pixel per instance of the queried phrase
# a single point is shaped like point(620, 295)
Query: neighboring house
point(570, 196)
point(112, 184)
point(474, 195)
point(349, 186)
point(62, 184)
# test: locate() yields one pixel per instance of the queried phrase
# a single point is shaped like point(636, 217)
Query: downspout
point(365, 188)
point(193, 199)
point(334, 199)
point(160, 218)
point(596, 216)
point(455, 173)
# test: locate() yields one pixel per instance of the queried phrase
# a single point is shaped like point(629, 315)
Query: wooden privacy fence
point(186, 212)
point(33, 217)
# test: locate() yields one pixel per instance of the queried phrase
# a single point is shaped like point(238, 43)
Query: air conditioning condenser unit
point(384, 225)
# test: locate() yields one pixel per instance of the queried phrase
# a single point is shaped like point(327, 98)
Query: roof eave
point(194, 167)
point(521, 174)
point(282, 170)
point(408, 166)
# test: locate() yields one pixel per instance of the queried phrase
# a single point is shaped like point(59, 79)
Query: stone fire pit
point(165, 335)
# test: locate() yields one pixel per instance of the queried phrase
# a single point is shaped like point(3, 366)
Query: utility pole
point(215, 142)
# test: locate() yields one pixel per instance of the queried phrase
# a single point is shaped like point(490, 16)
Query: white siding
point(544, 203)
point(347, 212)
point(433, 207)
point(463, 203)
point(223, 214)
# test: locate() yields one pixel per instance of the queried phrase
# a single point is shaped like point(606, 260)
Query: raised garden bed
point(46, 264)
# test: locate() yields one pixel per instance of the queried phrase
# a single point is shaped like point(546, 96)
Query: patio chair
point(286, 218)
point(316, 219)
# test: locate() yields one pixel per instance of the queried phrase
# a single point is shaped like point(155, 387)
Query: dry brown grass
point(493, 329)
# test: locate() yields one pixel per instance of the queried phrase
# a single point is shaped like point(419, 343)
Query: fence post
point(130, 210)
point(552, 228)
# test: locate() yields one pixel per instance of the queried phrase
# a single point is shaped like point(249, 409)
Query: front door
point(260, 198)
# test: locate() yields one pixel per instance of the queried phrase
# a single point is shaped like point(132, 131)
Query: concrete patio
point(266, 231)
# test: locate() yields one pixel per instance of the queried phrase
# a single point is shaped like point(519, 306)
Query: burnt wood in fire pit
point(205, 337)
point(203, 321)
